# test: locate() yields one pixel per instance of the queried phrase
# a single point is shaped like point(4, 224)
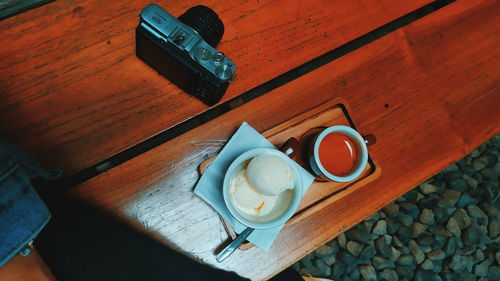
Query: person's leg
point(30, 267)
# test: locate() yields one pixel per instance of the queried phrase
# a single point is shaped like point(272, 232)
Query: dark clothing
point(22, 213)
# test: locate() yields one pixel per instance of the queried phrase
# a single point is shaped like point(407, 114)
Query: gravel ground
point(445, 229)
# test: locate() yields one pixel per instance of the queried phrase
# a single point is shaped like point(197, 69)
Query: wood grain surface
point(430, 92)
point(73, 93)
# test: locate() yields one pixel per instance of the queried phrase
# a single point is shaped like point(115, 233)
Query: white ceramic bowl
point(361, 162)
point(283, 210)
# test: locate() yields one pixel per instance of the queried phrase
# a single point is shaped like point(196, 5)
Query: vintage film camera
point(183, 50)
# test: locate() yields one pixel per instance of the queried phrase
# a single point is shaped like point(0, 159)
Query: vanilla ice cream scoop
point(247, 199)
point(270, 174)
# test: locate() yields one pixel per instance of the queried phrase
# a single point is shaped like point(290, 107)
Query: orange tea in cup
point(338, 154)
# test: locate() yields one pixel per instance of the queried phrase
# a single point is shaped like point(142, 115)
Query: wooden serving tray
point(320, 193)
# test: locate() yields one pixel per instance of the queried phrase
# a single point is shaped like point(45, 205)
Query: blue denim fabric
point(22, 213)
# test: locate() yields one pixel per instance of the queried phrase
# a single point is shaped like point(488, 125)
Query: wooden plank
point(430, 92)
point(72, 86)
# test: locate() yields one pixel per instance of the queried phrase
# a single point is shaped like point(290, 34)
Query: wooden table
point(430, 91)
point(70, 79)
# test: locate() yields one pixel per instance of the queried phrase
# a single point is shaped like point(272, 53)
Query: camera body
point(183, 50)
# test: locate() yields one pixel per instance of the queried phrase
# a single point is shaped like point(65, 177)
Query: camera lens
point(206, 22)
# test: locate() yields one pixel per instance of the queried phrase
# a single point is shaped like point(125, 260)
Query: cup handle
point(291, 147)
point(370, 139)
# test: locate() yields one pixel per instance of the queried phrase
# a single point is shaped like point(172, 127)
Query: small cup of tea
point(338, 153)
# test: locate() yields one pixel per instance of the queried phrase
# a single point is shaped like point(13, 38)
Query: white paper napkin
point(209, 187)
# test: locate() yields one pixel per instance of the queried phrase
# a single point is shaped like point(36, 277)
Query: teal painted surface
point(10, 8)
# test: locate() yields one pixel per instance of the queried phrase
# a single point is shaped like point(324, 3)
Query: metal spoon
point(233, 245)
